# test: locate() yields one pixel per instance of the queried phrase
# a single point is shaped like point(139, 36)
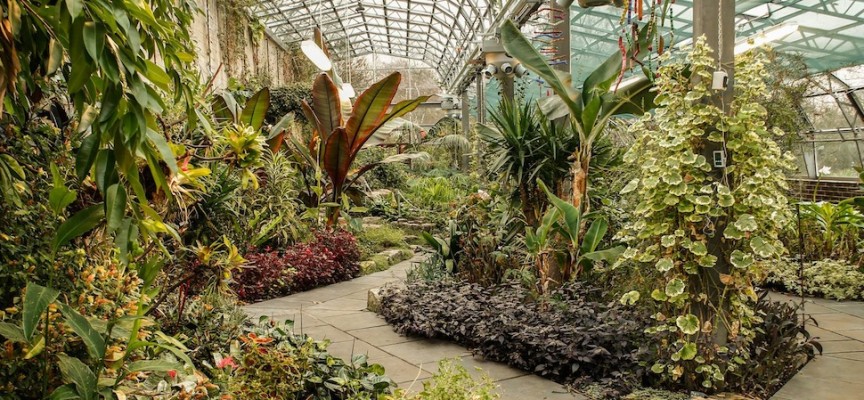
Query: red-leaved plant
point(332, 256)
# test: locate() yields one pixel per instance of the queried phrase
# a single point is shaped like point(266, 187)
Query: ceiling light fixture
point(316, 55)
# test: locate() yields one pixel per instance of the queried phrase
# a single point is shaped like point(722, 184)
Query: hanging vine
point(680, 201)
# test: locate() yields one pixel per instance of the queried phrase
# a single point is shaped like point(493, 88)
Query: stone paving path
point(338, 312)
point(839, 373)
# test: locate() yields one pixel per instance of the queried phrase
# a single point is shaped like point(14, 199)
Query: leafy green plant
point(335, 141)
point(103, 54)
point(704, 304)
point(524, 148)
point(87, 377)
point(833, 279)
point(272, 362)
point(567, 222)
point(839, 225)
point(452, 382)
point(592, 107)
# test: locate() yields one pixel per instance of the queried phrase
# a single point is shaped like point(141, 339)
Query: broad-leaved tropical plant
point(598, 101)
point(336, 140)
point(564, 222)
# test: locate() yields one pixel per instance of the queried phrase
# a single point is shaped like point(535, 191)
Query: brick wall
point(826, 190)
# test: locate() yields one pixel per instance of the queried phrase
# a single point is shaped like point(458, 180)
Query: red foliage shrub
point(332, 256)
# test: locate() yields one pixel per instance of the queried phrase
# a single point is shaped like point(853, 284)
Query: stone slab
point(535, 388)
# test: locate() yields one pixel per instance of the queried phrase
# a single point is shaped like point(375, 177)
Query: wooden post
point(715, 19)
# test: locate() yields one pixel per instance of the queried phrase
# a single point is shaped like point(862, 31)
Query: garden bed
point(578, 337)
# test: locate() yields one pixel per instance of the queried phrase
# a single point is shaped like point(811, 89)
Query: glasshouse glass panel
point(831, 157)
point(826, 113)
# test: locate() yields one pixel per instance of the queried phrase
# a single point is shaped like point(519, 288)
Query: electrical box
point(719, 159)
point(720, 80)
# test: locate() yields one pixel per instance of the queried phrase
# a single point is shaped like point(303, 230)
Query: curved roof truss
point(440, 33)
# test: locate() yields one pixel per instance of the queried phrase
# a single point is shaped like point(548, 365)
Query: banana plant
point(598, 101)
point(336, 141)
point(565, 221)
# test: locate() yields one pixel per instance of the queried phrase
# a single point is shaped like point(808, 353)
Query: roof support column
point(562, 46)
point(466, 128)
point(481, 99)
point(715, 19)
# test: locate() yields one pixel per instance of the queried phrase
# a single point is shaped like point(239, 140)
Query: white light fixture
point(348, 88)
point(769, 35)
point(316, 55)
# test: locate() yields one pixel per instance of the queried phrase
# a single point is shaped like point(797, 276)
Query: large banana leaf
point(337, 158)
point(370, 109)
point(326, 105)
point(521, 49)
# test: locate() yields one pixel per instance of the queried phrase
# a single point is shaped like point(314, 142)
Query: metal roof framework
point(440, 33)
point(830, 33)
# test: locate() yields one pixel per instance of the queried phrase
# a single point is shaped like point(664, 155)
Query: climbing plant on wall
point(702, 336)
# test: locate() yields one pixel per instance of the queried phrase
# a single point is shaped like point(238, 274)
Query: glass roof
point(441, 34)
point(830, 32)
point(445, 34)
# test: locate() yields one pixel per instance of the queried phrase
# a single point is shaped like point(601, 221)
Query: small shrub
point(379, 238)
point(833, 279)
point(273, 363)
point(287, 99)
point(205, 323)
point(572, 335)
point(779, 349)
point(332, 256)
point(452, 382)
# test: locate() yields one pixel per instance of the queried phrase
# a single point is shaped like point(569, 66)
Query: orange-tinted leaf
point(370, 109)
point(337, 158)
point(327, 105)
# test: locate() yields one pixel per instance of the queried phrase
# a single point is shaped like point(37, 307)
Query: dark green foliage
point(287, 99)
point(385, 176)
point(205, 323)
point(575, 334)
point(781, 347)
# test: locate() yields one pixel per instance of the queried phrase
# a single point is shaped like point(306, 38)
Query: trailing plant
point(833, 279)
point(578, 335)
point(704, 310)
point(336, 141)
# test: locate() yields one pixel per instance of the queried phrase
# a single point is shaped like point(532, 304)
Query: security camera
point(520, 70)
point(506, 68)
point(490, 71)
